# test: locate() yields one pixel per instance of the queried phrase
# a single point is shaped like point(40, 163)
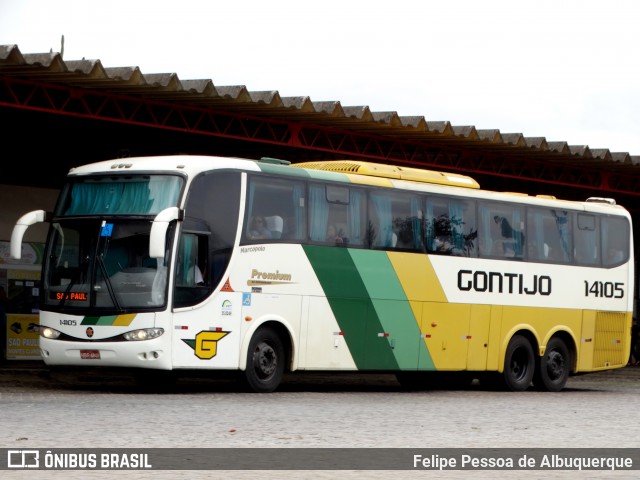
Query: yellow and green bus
point(263, 267)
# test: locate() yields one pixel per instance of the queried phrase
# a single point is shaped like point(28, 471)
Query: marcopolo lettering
point(498, 282)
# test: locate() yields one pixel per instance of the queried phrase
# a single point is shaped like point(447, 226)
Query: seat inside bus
point(275, 224)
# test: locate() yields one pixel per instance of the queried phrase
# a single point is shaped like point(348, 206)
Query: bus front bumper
point(153, 354)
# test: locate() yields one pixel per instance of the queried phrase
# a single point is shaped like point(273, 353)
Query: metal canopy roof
point(45, 82)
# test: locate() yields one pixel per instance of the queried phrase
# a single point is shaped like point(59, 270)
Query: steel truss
point(546, 168)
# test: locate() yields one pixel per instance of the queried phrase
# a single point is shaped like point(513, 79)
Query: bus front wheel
point(265, 361)
point(519, 364)
point(553, 367)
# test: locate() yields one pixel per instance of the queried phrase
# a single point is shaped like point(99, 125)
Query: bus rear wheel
point(553, 367)
point(265, 361)
point(519, 364)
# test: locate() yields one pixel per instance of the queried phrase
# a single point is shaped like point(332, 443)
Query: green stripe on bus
point(352, 306)
point(304, 173)
point(399, 324)
point(99, 320)
point(282, 170)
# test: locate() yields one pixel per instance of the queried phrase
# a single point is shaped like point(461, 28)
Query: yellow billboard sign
point(23, 337)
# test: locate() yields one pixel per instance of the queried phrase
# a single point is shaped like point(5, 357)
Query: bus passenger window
point(587, 243)
point(450, 227)
point(511, 236)
point(192, 277)
point(615, 249)
point(191, 266)
point(550, 231)
point(278, 205)
point(339, 209)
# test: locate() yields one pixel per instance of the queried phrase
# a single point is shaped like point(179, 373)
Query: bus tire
point(553, 367)
point(265, 361)
point(519, 364)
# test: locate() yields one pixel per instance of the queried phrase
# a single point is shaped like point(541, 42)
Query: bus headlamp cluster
point(48, 332)
point(143, 334)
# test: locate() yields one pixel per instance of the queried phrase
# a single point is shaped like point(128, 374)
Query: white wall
point(16, 201)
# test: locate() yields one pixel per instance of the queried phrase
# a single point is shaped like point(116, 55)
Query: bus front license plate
point(90, 354)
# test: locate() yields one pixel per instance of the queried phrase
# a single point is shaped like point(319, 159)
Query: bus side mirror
point(158, 236)
point(24, 222)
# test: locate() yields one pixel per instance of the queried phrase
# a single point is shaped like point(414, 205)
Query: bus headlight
point(143, 334)
point(48, 332)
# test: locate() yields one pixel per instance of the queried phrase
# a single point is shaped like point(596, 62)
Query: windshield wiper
point(107, 282)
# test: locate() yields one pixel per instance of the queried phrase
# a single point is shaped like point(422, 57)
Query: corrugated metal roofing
point(168, 87)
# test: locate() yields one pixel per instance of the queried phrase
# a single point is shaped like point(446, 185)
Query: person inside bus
point(508, 232)
point(259, 228)
point(405, 236)
point(334, 236)
point(442, 244)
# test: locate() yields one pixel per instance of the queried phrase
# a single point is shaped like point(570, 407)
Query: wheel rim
point(555, 365)
point(265, 360)
point(519, 364)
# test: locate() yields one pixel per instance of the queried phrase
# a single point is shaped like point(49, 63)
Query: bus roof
point(354, 171)
point(391, 172)
point(186, 164)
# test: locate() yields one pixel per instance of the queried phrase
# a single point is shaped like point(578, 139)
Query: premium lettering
point(270, 275)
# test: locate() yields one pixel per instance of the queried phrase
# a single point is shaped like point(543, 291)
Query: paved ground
point(594, 411)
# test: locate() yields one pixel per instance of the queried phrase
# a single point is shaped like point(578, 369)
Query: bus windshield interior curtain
point(164, 192)
point(144, 197)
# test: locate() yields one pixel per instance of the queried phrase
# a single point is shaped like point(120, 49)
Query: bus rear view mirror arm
point(158, 237)
point(28, 219)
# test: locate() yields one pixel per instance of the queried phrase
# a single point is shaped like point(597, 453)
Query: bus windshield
point(98, 249)
point(97, 263)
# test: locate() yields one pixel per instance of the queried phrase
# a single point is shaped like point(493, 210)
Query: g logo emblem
point(207, 343)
